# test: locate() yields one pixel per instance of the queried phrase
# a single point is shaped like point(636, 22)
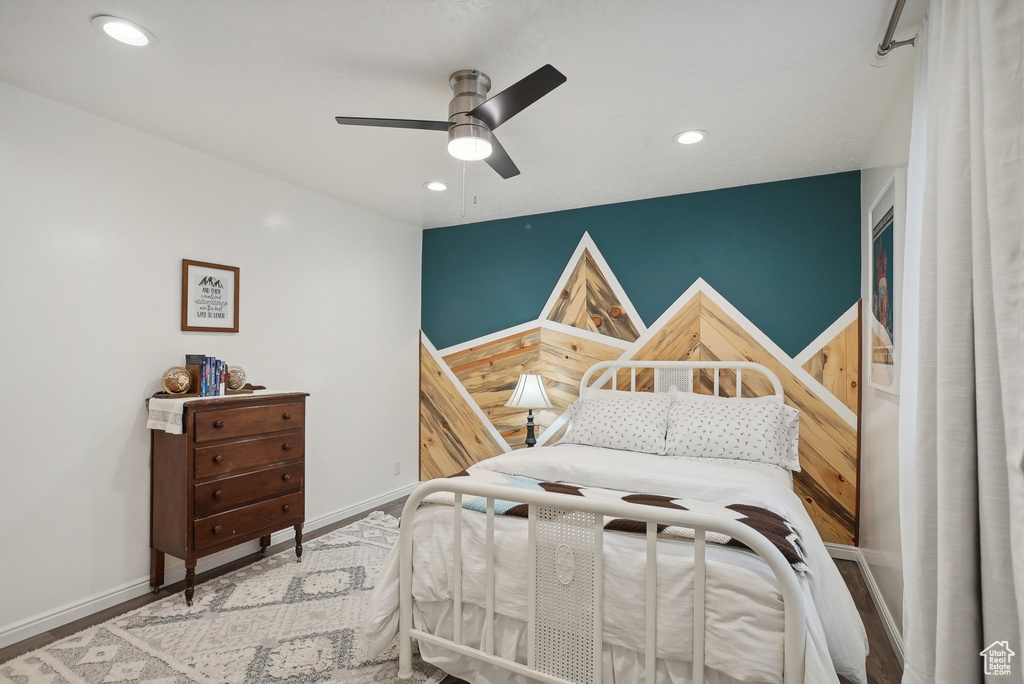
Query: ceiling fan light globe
point(469, 148)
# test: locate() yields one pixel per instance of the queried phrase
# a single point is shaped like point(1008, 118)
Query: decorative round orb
point(176, 380)
point(235, 378)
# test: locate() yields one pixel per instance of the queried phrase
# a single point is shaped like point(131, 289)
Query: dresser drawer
point(231, 492)
point(248, 455)
point(240, 522)
point(247, 420)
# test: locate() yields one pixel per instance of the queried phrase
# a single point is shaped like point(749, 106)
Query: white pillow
point(761, 429)
point(632, 421)
point(792, 418)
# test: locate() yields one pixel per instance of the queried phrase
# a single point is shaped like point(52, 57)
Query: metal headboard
point(680, 374)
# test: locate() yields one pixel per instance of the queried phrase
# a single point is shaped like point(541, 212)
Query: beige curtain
point(967, 527)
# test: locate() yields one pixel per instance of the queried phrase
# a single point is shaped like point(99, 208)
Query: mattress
point(744, 619)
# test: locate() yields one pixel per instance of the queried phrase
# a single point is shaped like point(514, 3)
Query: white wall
point(94, 220)
point(879, 467)
point(879, 539)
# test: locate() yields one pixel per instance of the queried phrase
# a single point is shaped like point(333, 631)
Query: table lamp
point(529, 394)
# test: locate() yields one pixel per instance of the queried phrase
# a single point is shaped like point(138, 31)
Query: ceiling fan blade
point(518, 96)
point(394, 123)
point(500, 161)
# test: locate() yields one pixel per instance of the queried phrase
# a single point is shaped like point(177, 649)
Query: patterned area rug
point(273, 621)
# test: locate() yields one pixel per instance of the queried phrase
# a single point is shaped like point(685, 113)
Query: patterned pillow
point(632, 421)
point(763, 430)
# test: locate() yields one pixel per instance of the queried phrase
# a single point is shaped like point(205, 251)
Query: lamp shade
point(529, 393)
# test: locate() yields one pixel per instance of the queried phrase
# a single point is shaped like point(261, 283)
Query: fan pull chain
point(463, 189)
point(475, 166)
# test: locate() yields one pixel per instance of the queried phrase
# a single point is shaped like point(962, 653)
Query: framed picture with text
point(209, 297)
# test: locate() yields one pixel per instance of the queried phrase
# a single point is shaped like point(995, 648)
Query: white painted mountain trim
point(486, 339)
point(556, 425)
point(465, 395)
point(583, 333)
point(587, 243)
point(700, 285)
point(795, 366)
point(841, 409)
point(175, 572)
point(530, 325)
point(827, 336)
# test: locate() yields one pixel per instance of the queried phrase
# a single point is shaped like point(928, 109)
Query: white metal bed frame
point(565, 542)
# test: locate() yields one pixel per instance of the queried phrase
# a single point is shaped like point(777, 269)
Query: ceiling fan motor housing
point(470, 87)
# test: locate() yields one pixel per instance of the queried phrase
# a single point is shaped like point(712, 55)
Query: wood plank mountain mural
point(464, 388)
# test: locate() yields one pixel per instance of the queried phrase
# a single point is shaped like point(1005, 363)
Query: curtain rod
point(888, 44)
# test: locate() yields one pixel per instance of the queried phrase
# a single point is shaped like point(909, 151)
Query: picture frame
point(882, 335)
point(209, 297)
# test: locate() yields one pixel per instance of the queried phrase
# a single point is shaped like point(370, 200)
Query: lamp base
point(531, 440)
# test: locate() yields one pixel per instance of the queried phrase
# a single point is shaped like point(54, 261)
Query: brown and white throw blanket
point(774, 527)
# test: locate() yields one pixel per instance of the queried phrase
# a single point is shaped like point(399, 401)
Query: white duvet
point(744, 618)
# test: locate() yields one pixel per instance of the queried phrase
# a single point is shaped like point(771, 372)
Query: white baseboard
point(843, 552)
point(892, 630)
point(174, 572)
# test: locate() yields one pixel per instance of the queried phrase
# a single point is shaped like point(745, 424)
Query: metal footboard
point(565, 584)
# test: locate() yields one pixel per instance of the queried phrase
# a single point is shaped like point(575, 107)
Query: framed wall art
point(209, 297)
point(883, 328)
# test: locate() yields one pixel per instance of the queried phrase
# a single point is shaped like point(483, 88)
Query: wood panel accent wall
point(702, 331)
point(565, 358)
point(455, 433)
point(588, 302)
point(489, 373)
point(837, 366)
point(452, 436)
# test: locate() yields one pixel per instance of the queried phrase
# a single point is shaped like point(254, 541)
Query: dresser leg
point(264, 543)
point(156, 570)
point(190, 581)
point(298, 543)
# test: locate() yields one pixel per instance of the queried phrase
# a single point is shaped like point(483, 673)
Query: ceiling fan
point(472, 116)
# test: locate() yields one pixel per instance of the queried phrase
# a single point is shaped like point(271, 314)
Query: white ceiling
point(784, 88)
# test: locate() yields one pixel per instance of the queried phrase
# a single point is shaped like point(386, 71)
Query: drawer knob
point(217, 494)
point(286, 477)
point(216, 529)
point(287, 508)
point(218, 458)
point(287, 446)
point(287, 416)
point(218, 424)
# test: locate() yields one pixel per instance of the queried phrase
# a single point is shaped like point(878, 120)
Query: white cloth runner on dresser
point(165, 413)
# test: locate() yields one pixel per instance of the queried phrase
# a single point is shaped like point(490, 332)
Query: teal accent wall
point(786, 254)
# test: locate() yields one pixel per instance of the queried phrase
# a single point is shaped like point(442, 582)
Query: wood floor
point(883, 667)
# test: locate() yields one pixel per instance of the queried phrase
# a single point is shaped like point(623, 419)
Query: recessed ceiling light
point(690, 137)
point(436, 186)
point(125, 31)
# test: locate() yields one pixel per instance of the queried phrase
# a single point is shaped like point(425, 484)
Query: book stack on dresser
point(236, 473)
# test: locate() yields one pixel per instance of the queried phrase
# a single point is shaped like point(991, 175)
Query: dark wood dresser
point(237, 473)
